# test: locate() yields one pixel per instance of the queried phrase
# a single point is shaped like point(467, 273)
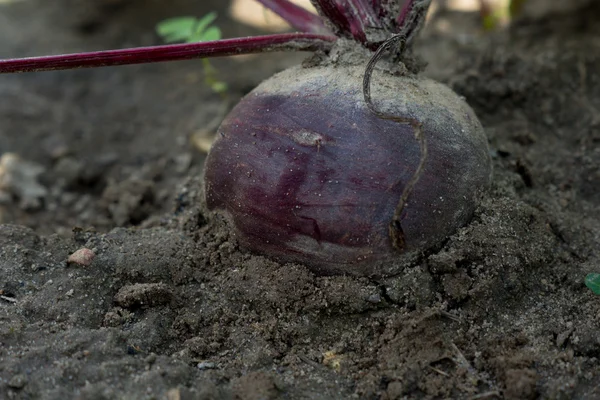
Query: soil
point(168, 306)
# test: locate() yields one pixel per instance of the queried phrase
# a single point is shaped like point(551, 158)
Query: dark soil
point(171, 308)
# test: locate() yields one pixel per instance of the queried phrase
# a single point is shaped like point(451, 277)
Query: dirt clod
point(18, 381)
point(255, 386)
point(520, 384)
point(143, 295)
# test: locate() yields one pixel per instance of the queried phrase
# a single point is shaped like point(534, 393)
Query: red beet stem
point(378, 6)
point(329, 11)
point(172, 52)
point(412, 18)
point(408, 4)
point(351, 18)
point(296, 16)
point(362, 12)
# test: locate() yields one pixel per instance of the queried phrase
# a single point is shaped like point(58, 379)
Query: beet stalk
point(351, 165)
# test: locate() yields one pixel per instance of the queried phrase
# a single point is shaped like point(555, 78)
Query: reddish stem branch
point(411, 18)
point(384, 9)
point(377, 6)
point(296, 16)
point(361, 18)
point(349, 16)
point(172, 52)
point(408, 5)
point(362, 12)
point(330, 12)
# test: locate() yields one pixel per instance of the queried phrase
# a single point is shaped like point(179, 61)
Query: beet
point(309, 167)
point(306, 173)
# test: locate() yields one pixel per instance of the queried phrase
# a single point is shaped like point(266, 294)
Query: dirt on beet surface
point(171, 308)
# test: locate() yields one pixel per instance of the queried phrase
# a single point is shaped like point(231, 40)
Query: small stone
point(374, 298)
point(18, 381)
point(83, 257)
point(174, 394)
point(206, 365)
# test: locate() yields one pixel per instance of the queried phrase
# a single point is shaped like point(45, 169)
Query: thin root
point(395, 228)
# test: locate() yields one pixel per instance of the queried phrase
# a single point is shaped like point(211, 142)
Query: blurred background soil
point(170, 308)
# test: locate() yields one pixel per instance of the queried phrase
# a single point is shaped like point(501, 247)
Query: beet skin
point(306, 173)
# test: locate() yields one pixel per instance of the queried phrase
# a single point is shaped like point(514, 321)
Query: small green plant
point(592, 281)
point(498, 13)
point(193, 30)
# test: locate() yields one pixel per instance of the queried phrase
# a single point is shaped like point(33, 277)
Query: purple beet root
point(306, 173)
point(311, 166)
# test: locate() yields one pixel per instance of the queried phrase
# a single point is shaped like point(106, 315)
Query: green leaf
point(212, 33)
point(176, 29)
point(219, 87)
point(204, 22)
point(592, 281)
point(189, 29)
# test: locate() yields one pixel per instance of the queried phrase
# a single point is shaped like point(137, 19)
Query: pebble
point(206, 365)
point(374, 298)
point(83, 257)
